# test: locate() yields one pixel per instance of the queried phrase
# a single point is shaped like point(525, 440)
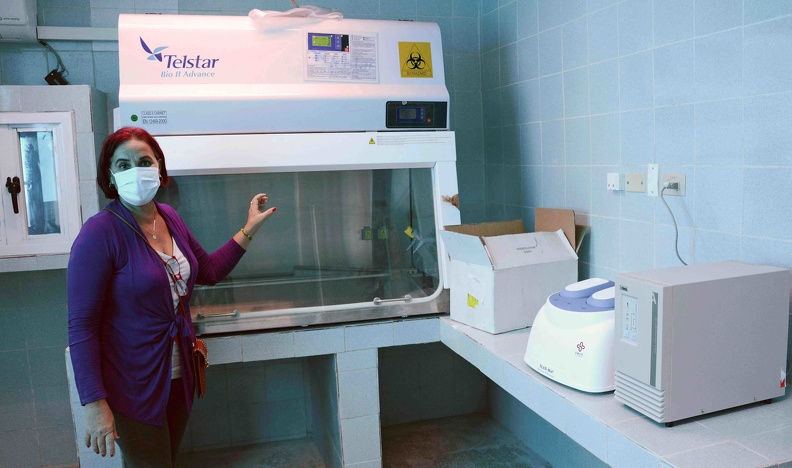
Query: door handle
point(14, 189)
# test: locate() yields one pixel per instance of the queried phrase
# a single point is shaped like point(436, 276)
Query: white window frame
point(15, 241)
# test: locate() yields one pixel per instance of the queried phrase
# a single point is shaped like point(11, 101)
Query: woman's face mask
point(134, 171)
point(138, 185)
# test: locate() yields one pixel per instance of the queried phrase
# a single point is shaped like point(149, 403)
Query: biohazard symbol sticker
point(416, 59)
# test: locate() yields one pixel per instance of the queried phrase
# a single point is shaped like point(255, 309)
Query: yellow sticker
point(371, 142)
point(416, 59)
point(409, 232)
point(472, 302)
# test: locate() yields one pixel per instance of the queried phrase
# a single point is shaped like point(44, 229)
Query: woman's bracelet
point(246, 234)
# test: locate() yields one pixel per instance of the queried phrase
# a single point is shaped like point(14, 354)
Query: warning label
point(416, 59)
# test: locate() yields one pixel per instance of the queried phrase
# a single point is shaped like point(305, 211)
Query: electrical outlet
point(674, 178)
point(615, 181)
point(635, 182)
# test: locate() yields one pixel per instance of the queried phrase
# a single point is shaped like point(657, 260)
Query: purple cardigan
point(120, 308)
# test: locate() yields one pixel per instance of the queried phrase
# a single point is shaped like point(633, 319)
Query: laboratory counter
point(758, 435)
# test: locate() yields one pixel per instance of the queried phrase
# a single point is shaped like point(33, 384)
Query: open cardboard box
point(500, 275)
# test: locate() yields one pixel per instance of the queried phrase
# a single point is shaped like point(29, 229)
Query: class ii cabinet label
point(153, 117)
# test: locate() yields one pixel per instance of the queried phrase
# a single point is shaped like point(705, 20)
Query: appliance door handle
point(201, 316)
point(14, 187)
point(406, 298)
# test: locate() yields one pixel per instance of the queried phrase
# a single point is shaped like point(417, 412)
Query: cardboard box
point(500, 276)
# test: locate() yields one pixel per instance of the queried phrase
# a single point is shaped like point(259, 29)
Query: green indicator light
point(134, 118)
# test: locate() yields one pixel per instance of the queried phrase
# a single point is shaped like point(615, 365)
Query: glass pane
point(337, 237)
point(40, 182)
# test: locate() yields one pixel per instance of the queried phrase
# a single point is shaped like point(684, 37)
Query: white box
point(501, 276)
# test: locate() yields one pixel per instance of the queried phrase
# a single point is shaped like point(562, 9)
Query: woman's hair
point(109, 148)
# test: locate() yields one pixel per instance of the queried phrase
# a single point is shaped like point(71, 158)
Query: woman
point(131, 272)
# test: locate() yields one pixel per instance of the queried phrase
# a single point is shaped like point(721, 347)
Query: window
point(38, 172)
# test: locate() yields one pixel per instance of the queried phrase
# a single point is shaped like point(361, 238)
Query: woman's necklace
point(153, 231)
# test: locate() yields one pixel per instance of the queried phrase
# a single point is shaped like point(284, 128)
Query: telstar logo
point(154, 54)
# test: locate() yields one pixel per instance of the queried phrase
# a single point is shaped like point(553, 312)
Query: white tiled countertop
point(757, 435)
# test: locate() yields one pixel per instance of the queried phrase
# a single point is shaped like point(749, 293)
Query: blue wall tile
point(510, 105)
point(674, 74)
point(762, 10)
point(768, 141)
point(507, 24)
point(575, 44)
point(637, 137)
point(603, 39)
point(674, 21)
point(635, 26)
point(531, 142)
point(605, 139)
point(493, 176)
point(512, 152)
point(719, 132)
point(549, 14)
point(636, 81)
point(552, 97)
point(767, 251)
point(713, 246)
point(550, 52)
point(435, 8)
point(527, 11)
point(577, 137)
point(768, 203)
point(529, 93)
point(465, 35)
point(604, 87)
point(531, 177)
point(578, 188)
point(667, 246)
point(492, 107)
point(717, 15)
point(719, 198)
point(674, 135)
point(637, 246)
point(553, 189)
point(528, 56)
point(490, 69)
point(719, 66)
point(467, 74)
point(767, 46)
point(553, 142)
point(493, 146)
point(576, 93)
point(466, 8)
point(489, 31)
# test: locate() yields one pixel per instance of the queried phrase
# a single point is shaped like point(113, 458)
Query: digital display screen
point(321, 41)
point(408, 114)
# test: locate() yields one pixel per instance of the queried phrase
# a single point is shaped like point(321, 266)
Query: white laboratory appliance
point(571, 340)
point(344, 123)
point(695, 339)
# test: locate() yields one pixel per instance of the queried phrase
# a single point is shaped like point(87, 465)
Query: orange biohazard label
point(416, 59)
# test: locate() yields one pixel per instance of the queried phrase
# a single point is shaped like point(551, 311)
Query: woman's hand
point(100, 431)
point(255, 219)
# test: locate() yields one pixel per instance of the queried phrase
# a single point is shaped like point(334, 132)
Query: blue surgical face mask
point(138, 185)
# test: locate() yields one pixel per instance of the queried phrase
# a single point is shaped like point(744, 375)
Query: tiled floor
point(295, 453)
point(458, 442)
point(472, 440)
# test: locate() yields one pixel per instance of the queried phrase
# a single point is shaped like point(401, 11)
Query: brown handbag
point(200, 362)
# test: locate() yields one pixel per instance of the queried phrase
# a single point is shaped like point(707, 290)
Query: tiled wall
point(36, 425)
point(427, 381)
point(574, 89)
point(536, 433)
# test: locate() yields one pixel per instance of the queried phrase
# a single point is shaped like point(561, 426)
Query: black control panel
point(415, 114)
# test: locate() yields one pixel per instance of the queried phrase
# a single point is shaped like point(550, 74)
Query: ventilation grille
point(640, 396)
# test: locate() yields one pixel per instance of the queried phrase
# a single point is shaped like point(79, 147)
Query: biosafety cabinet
point(343, 123)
